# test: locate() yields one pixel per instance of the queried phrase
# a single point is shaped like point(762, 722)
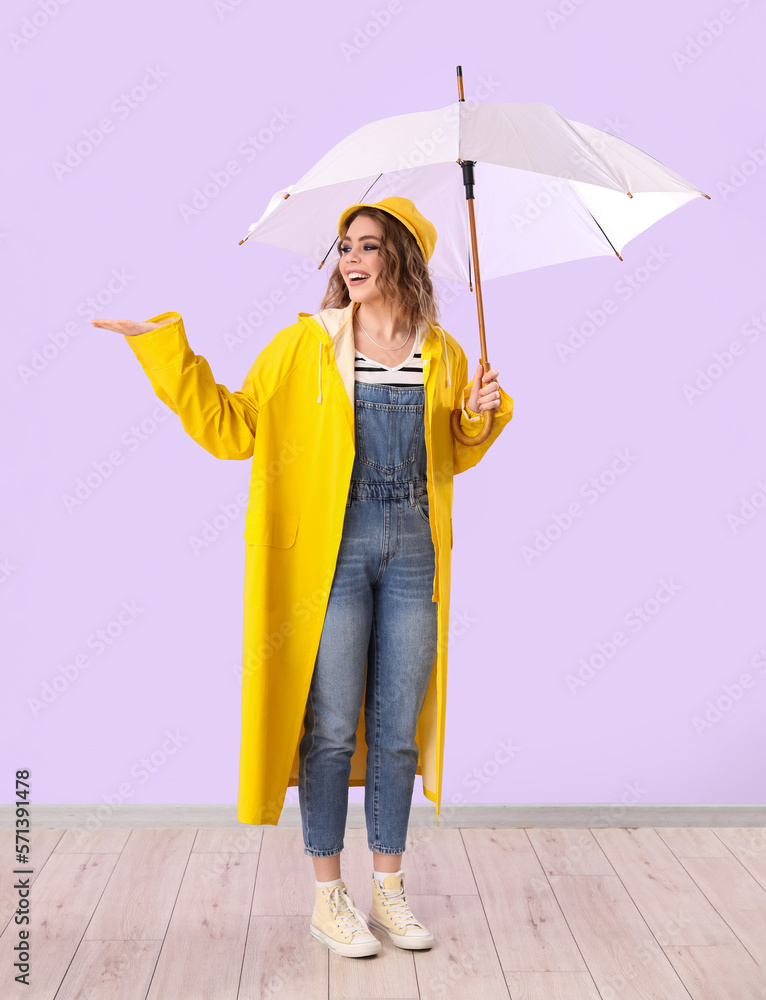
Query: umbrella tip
point(629, 194)
point(241, 242)
point(706, 195)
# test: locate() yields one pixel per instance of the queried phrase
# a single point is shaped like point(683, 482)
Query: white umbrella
point(548, 190)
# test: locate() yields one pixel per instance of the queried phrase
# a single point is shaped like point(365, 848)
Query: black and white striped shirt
point(408, 373)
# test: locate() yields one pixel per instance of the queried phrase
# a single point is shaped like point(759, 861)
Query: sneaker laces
point(394, 899)
point(351, 919)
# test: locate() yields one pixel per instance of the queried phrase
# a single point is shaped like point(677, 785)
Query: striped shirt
point(408, 373)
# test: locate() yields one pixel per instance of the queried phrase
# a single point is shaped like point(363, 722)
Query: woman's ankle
point(327, 869)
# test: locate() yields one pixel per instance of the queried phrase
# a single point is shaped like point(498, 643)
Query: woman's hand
point(486, 397)
point(127, 327)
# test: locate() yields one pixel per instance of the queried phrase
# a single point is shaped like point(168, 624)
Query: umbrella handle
point(489, 419)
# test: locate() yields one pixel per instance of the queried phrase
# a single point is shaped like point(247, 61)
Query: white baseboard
point(489, 816)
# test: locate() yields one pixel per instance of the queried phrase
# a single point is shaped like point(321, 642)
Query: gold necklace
point(397, 348)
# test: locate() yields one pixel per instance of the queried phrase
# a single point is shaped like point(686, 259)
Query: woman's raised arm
point(220, 420)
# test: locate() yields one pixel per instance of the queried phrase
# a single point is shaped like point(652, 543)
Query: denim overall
point(379, 609)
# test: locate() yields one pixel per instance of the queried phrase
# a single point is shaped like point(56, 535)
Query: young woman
point(349, 534)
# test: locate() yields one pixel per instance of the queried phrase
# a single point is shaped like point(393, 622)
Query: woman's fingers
point(127, 327)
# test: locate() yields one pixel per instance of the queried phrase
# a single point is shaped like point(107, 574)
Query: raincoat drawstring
point(446, 355)
point(319, 357)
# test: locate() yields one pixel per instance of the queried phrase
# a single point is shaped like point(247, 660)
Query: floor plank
point(737, 896)
point(463, 963)
point(748, 846)
point(139, 900)
point(201, 956)
point(712, 973)
point(525, 919)
point(569, 852)
point(552, 986)
point(621, 953)
point(282, 961)
point(693, 842)
point(245, 838)
point(110, 970)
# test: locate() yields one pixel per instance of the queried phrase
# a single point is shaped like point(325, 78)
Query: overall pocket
point(387, 434)
point(421, 502)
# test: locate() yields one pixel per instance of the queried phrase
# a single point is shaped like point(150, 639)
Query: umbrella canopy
point(547, 189)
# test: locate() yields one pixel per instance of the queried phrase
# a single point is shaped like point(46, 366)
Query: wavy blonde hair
point(403, 276)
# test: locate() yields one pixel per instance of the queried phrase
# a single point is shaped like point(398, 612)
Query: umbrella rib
point(600, 158)
point(363, 197)
point(587, 209)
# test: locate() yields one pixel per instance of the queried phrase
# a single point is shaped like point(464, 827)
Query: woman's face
point(359, 255)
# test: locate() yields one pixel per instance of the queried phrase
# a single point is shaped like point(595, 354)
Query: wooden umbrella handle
point(489, 419)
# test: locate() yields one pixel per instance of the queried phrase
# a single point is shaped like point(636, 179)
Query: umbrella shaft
point(468, 181)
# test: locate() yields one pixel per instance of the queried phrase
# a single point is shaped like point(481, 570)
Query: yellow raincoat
point(295, 417)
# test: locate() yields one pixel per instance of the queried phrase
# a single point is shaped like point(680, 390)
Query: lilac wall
point(670, 554)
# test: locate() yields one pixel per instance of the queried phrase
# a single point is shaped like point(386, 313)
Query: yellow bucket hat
point(404, 210)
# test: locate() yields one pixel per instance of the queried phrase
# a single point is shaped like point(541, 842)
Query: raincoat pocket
point(270, 527)
point(269, 565)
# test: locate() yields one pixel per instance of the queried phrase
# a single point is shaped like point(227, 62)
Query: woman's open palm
point(127, 327)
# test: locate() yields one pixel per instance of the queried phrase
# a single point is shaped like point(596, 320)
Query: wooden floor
point(526, 914)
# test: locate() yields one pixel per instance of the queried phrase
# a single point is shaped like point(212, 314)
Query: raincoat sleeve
point(466, 456)
point(222, 421)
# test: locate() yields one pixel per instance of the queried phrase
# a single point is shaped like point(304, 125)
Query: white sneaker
point(337, 923)
point(391, 913)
